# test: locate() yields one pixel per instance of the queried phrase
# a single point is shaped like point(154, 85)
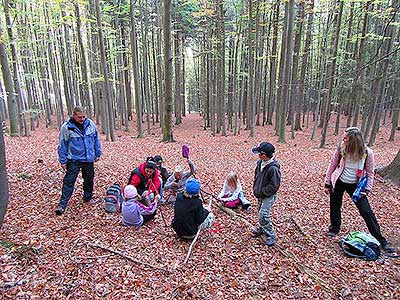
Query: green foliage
point(186, 15)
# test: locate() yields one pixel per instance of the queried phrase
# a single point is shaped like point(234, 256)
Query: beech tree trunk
point(392, 171)
point(110, 114)
point(3, 176)
point(167, 125)
point(9, 86)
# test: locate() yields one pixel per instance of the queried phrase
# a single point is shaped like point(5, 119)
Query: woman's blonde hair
point(355, 147)
point(232, 180)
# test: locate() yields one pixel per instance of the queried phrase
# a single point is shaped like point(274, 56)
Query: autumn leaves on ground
point(48, 257)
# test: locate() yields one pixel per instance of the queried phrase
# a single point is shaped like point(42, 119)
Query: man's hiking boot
point(388, 248)
point(59, 210)
point(256, 232)
point(270, 241)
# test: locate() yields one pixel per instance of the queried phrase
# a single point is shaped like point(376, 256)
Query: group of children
point(149, 187)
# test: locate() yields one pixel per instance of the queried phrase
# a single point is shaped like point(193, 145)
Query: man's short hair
point(79, 109)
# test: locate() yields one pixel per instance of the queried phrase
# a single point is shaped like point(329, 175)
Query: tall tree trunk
point(110, 114)
point(272, 78)
point(178, 95)
point(84, 84)
point(330, 72)
point(4, 195)
point(221, 65)
point(145, 70)
point(286, 70)
point(167, 126)
point(384, 68)
point(304, 65)
point(17, 85)
point(396, 108)
point(250, 101)
point(9, 87)
point(136, 73)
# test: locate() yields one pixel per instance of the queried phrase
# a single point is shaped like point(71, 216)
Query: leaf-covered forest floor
point(48, 257)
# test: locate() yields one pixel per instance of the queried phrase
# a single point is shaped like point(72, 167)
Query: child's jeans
point(264, 218)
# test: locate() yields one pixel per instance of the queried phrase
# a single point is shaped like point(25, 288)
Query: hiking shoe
point(256, 232)
point(246, 207)
point(91, 200)
point(331, 234)
point(270, 242)
point(388, 248)
point(59, 210)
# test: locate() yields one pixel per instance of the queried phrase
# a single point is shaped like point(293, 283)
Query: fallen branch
point(191, 246)
point(299, 227)
point(129, 257)
point(286, 253)
point(303, 268)
point(81, 259)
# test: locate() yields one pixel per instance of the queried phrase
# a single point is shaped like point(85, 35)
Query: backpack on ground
point(360, 244)
point(113, 199)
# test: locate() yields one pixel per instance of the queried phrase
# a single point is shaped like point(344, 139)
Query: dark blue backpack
point(113, 199)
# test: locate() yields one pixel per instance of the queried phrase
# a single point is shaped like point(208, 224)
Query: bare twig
point(80, 259)
point(299, 227)
point(191, 246)
point(303, 268)
point(129, 257)
point(285, 252)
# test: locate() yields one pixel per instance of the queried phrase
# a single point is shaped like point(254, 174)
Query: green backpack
point(360, 244)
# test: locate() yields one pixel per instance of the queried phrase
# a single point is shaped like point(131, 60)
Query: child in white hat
point(131, 215)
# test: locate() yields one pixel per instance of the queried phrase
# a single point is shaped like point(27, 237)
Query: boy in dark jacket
point(189, 213)
point(267, 180)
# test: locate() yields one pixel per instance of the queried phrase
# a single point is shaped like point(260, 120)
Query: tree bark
point(9, 87)
point(4, 194)
point(136, 74)
point(392, 171)
point(110, 114)
point(167, 126)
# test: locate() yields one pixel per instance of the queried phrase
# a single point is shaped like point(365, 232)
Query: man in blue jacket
point(79, 147)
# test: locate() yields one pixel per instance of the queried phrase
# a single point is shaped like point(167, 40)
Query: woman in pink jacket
point(352, 161)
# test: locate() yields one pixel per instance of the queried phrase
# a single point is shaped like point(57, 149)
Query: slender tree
point(9, 87)
point(3, 176)
point(110, 113)
point(167, 126)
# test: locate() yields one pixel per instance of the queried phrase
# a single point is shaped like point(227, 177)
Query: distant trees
point(295, 63)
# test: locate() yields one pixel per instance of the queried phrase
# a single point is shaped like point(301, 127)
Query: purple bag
point(233, 204)
point(185, 151)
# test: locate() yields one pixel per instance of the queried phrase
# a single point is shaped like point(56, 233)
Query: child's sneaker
point(59, 210)
point(256, 232)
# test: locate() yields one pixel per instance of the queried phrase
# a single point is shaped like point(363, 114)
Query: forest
point(221, 77)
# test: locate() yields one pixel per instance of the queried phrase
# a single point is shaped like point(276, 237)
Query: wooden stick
point(287, 253)
point(128, 257)
point(298, 226)
point(191, 246)
point(303, 268)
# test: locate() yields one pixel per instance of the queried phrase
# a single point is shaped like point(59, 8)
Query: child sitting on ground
point(131, 215)
point(231, 194)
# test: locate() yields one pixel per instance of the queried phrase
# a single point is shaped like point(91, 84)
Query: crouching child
point(231, 194)
point(189, 213)
point(131, 215)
